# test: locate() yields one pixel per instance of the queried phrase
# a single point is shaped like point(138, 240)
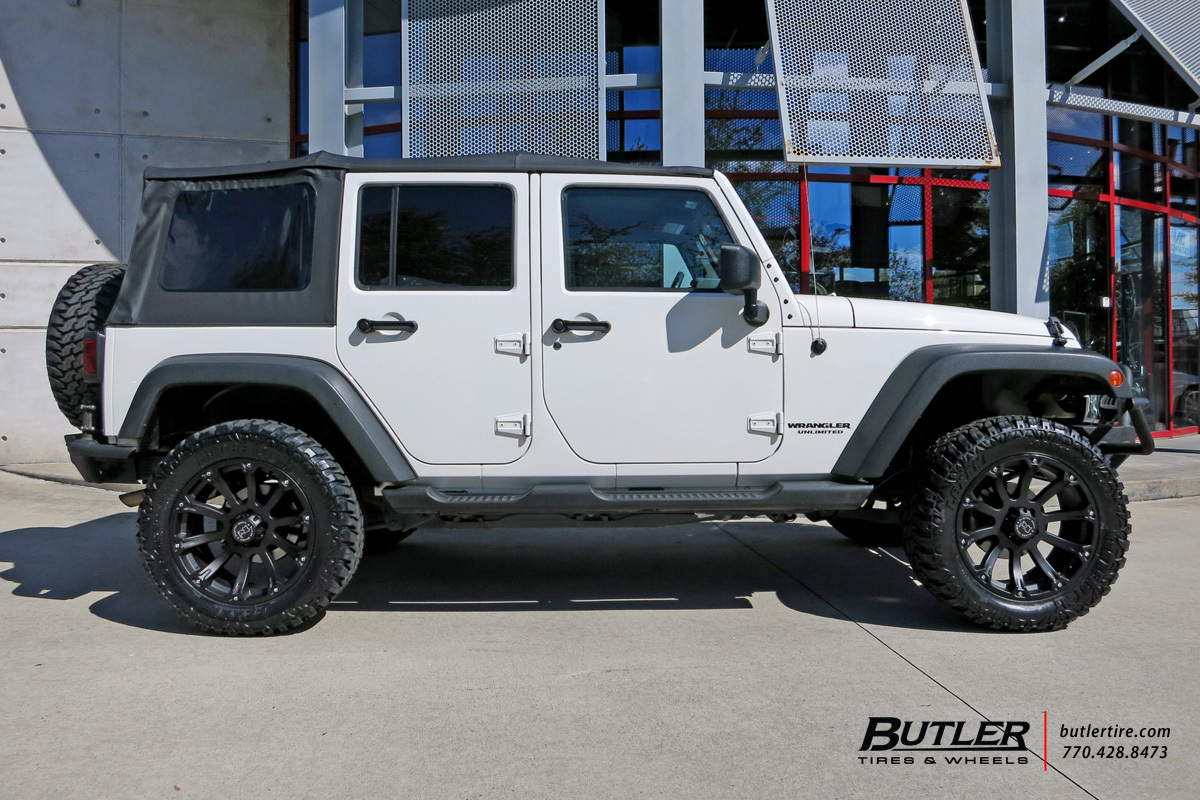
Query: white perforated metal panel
point(893, 82)
point(498, 76)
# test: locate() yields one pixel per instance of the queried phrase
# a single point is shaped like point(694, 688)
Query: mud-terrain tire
point(1020, 491)
point(83, 304)
point(249, 527)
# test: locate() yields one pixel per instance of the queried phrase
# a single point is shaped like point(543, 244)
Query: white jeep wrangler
point(305, 353)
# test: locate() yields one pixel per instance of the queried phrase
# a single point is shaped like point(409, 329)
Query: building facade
point(1091, 216)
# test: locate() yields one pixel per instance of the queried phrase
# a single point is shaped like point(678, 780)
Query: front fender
point(919, 377)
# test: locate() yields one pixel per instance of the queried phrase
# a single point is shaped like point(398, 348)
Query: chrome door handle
point(562, 326)
point(372, 325)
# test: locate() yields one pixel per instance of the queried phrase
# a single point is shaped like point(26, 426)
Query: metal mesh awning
point(1173, 28)
point(499, 76)
point(875, 82)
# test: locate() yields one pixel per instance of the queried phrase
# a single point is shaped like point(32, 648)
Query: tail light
point(91, 361)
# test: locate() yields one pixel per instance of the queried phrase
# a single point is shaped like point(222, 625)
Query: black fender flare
point(924, 372)
point(364, 430)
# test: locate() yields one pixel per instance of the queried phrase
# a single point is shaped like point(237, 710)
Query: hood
point(893, 314)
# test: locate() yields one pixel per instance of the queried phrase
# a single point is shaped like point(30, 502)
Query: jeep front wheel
point(1021, 524)
point(249, 527)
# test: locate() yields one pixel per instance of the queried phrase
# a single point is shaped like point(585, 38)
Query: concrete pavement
point(701, 661)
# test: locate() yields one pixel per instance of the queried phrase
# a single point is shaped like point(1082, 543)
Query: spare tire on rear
point(82, 305)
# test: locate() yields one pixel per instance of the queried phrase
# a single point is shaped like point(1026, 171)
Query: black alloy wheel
point(250, 527)
point(1020, 524)
point(1027, 527)
point(242, 531)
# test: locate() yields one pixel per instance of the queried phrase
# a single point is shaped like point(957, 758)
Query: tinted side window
point(240, 240)
point(436, 237)
point(651, 239)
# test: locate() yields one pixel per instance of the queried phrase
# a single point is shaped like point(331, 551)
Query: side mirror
point(741, 273)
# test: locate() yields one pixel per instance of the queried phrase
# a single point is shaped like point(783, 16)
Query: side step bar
point(782, 497)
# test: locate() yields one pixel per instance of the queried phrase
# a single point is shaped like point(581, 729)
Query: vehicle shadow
point(98, 556)
point(809, 568)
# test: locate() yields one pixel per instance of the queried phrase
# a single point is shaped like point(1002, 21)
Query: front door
point(645, 360)
point(434, 311)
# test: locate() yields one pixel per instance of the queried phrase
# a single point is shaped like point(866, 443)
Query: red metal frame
point(927, 231)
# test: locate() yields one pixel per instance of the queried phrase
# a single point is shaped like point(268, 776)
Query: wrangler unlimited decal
point(819, 427)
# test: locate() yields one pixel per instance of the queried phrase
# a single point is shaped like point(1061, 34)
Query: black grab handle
point(372, 325)
point(562, 326)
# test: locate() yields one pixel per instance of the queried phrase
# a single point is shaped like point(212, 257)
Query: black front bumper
point(102, 463)
point(1126, 439)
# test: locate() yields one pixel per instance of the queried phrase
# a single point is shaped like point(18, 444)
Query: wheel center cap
point(1024, 527)
point(246, 529)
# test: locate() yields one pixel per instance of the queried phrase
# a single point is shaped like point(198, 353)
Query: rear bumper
point(102, 463)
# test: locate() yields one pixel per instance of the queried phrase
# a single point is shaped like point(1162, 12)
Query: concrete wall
point(89, 96)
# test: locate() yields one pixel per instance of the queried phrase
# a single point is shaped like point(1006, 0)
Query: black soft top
point(144, 301)
point(499, 162)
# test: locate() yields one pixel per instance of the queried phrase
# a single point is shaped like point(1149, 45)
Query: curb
point(1162, 489)
point(1137, 491)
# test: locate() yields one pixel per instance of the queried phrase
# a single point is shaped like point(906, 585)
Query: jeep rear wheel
point(1021, 524)
point(249, 527)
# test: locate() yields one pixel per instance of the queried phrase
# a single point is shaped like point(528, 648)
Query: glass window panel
point(632, 36)
point(1138, 75)
point(649, 239)
point(745, 141)
point(961, 248)
point(1077, 166)
point(1140, 336)
point(1078, 261)
point(240, 240)
point(1184, 189)
point(1076, 35)
point(736, 27)
point(381, 67)
point(850, 257)
point(1182, 145)
point(1147, 136)
point(441, 237)
point(1185, 324)
point(382, 145)
point(775, 206)
point(1076, 122)
point(1140, 178)
point(974, 175)
point(634, 140)
point(375, 267)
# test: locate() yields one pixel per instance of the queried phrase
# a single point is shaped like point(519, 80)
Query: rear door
point(450, 254)
point(673, 374)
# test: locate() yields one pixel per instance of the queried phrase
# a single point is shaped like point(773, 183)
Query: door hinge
point(768, 343)
point(512, 425)
point(516, 344)
point(769, 424)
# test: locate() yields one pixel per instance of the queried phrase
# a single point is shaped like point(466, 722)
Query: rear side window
point(240, 240)
point(645, 239)
point(414, 237)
